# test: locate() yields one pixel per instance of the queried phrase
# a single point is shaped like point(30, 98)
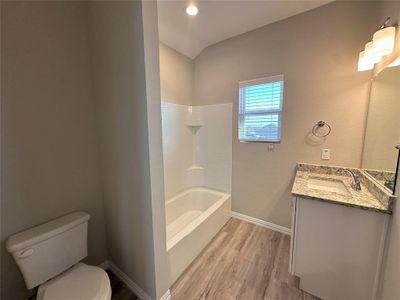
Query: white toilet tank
point(44, 251)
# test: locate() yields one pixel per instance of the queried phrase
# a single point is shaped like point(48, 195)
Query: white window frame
point(258, 81)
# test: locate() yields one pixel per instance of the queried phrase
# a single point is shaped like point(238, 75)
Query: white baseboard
point(262, 223)
point(129, 282)
point(166, 296)
point(104, 265)
point(136, 289)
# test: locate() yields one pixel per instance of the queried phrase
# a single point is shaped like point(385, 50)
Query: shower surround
point(197, 147)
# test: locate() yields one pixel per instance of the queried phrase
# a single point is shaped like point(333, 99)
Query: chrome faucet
point(356, 185)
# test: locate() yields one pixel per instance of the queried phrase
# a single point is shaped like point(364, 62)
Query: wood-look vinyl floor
point(243, 262)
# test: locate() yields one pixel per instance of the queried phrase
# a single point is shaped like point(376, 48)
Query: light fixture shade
point(364, 64)
point(395, 63)
point(383, 41)
point(370, 54)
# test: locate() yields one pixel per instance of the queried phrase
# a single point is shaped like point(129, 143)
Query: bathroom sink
point(327, 185)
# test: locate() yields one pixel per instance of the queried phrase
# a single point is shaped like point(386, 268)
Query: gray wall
point(50, 159)
point(391, 272)
point(153, 98)
point(81, 98)
point(176, 73)
point(124, 65)
point(317, 52)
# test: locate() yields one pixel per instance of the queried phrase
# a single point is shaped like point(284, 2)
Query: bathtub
point(193, 218)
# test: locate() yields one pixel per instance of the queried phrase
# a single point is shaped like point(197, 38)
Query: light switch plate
point(325, 154)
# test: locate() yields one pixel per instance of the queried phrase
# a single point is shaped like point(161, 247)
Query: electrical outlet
point(325, 154)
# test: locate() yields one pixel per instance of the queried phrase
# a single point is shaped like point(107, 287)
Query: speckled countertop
point(371, 197)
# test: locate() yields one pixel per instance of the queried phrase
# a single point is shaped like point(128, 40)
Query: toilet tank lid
point(45, 231)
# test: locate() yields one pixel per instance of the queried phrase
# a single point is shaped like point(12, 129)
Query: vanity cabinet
point(337, 250)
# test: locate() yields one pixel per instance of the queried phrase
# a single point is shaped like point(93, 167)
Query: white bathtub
point(193, 218)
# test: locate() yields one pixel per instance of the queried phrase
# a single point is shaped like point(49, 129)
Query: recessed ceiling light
point(192, 10)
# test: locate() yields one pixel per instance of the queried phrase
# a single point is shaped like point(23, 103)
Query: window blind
point(260, 109)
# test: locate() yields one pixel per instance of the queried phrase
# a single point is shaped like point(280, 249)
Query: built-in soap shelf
point(195, 168)
point(194, 124)
point(193, 128)
point(194, 121)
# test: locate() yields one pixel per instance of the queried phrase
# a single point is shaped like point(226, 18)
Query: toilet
point(49, 256)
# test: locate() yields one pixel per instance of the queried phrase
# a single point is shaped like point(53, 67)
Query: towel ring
point(319, 125)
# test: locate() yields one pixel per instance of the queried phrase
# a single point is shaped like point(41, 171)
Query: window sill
point(260, 142)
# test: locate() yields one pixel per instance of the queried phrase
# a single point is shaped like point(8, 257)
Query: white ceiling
point(218, 20)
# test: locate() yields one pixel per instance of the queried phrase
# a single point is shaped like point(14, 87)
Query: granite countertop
point(381, 176)
point(371, 197)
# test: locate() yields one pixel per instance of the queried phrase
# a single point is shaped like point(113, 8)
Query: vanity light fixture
point(382, 44)
point(192, 10)
point(395, 63)
point(383, 40)
point(370, 54)
point(364, 64)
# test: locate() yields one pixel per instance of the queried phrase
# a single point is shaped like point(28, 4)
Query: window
point(260, 109)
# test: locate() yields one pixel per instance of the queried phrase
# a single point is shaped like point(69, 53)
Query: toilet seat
point(81, 282)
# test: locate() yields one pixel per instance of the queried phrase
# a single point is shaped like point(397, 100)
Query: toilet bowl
point(79, 282)
point(49, 256)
